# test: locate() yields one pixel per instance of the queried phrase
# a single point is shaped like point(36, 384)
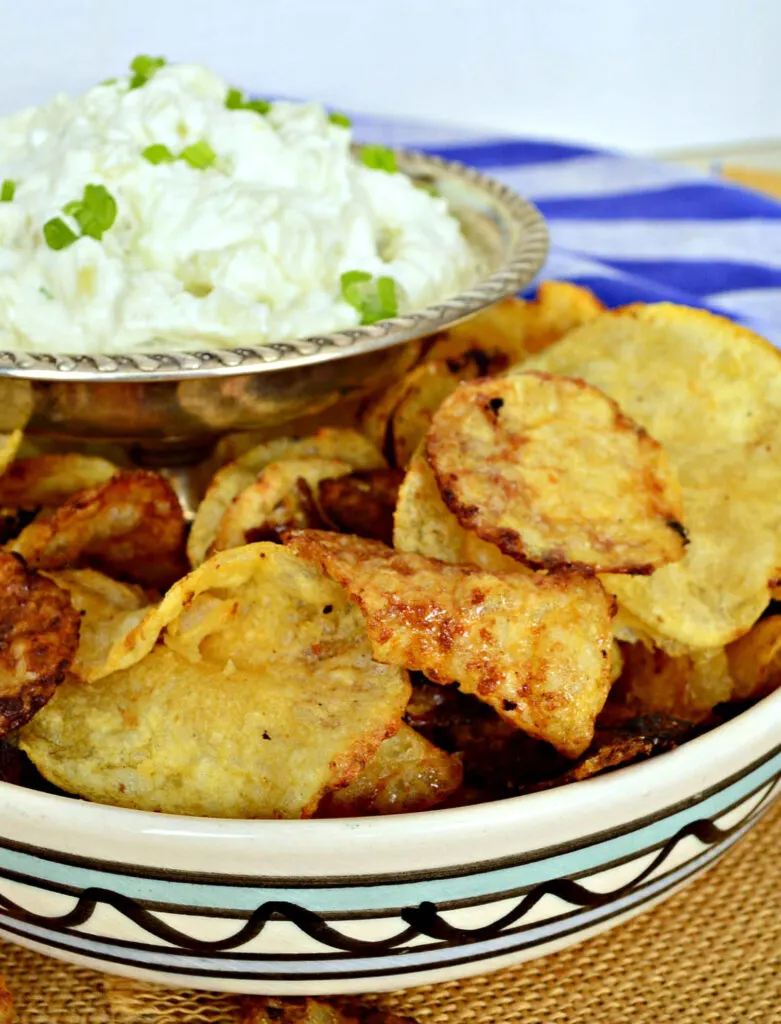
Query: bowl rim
point(527, 252)
point(709, 751)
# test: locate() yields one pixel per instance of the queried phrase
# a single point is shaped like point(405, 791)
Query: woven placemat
point(709, 955)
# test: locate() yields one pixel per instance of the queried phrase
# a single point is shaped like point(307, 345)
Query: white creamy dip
point(245, 242)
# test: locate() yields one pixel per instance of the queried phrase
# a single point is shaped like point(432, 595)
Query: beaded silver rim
point(526, 250)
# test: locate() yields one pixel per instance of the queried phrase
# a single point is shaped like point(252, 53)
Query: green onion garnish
point(234, 100)
point(109, 81)
point(144, 68)
point(57, 234)
point(341, 119)
point(95, 212)
point(7, 190)
point(157, 153)
point(375, 299)
point(199, 155)
point(379, 158)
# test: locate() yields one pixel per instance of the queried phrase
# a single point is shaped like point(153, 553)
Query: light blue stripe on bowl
point(398, 894)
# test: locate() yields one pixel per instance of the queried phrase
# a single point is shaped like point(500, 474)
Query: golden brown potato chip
point(406, 774)
point(755, 660)
point(275, 500)
point(534, 647)
point(264, 1010)
point(398, 419)
point(329, 443)
point(109, 611)
point(39, 634)
point(362, 503)
point(490, 341)
point(686, 687)
point(425, 388)
point(550, 471)
point(710, 393)
point(424, 525)
point(509, 331)
point(9, 446)
point(557, 308)
point(47, 480)
point(262, 696)
point(131, 527)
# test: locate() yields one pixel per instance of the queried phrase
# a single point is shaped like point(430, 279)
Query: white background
point(642, 74)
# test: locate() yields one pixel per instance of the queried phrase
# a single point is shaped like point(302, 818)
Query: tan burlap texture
point(709, 955)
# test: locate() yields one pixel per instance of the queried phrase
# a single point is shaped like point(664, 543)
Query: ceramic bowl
point(342, 906)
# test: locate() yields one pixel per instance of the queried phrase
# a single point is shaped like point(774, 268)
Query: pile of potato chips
point(548, 550)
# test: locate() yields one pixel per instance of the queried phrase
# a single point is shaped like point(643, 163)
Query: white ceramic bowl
point(308, 907)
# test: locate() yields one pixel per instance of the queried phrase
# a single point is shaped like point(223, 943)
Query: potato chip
point(406, 774)
point(277, 702)
point(425, 388)
point(397, 420)
point(534, 647)
point(131, 527)
point(275, 501)
point(710, 393)
point(362, 503)
point(550, 471)
point(109, 611)
point(755, 660)
point(39, 634)
point(329, 443)
point(265, 1010)
point(506, 333)
point(424, 525)
point(490, 341)
point(557, 308)
point(686, 687)
point(47, 480)
point(9, 446)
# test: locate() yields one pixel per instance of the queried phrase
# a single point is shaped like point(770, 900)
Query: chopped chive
point(98, 211)
point(157, 153)
point(379, 158)
point(109, 81)
point(95, 213)
point(199, 155)
point(341, 119)
point(373, 299)
point(7, 190)
point(144, 68)
point(45, 292)
point(259, 106)
point(57, 234)
point(234, 100)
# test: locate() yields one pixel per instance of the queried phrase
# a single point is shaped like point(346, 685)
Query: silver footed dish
point(180, 401)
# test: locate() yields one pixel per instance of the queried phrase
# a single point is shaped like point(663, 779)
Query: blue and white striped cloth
point(631, 229)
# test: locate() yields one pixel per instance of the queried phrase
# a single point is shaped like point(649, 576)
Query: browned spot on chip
point(553, 473)
point(131, 527)
point(362, 503)
point(545, 633)
point(39, 634)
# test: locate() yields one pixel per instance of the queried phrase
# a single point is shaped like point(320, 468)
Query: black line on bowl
point(383, 972)
point(334, 957)
point(368, 881)
point(188, 910)
point(424, 919)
